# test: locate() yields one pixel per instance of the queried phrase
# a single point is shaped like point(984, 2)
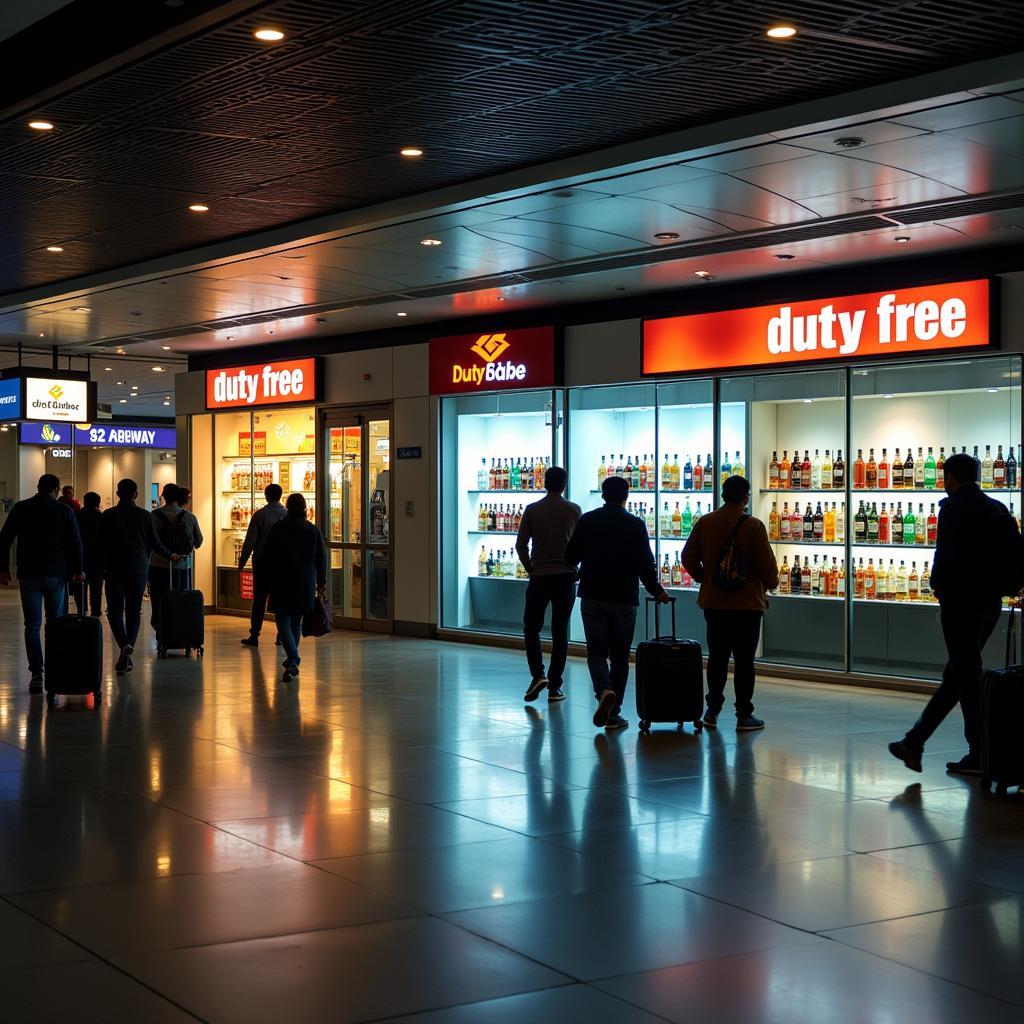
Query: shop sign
point(105, 436)
point(493, 361)
point(10, 399)
point(246, 387)
point(897, 323)
point(50, 398)
point(245, 585)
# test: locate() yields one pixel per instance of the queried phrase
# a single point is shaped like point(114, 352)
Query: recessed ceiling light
point(901, 239)
point(848, 141)
point(401, 314)
point(119, 382)
point(784, 256)
point(167, 403)
point(702, 273)
point(411, 151)
point(81, 309)
point(199, 208)
point(122, 401)
point(430, 241)
point(108, 368)
point(166, 348)
point(781, 32)
point(993, 391)
point(41, 126)
point(229, 337)
point(39, 334)
point(664, 235)
point(158, 369)
point(887, 396)
point(55, 248)
point(269, 35)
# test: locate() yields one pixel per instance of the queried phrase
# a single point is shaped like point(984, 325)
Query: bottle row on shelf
point(926, 472)
point(892, 526)
point(641, 473)
point(241, 511)
point(261, 475)
point(820, 526)
point(512, 474)
point(896, 583)
point(504, 564)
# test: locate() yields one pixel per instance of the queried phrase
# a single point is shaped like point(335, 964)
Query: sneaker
point(128, 651)
point(35, 686)
point(605, 707)
point(711, 719)
point(121, 665)
point(555, 693)
point(536, 688)
point(969, 764)
point(251, 641)
point(615, 722)
point(748, 723)
point(902, 751)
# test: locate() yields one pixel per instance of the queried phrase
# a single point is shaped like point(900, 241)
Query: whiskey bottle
point(677, 522)
point(773, 472)
point(897, 524)
point(841, 580)
point(882, 582)
point(805, 472)
point(784, 576)
point(871, 471)
point(859, 577)
point(987, 469)
point(860, 526)
point(816, 471)
point(873, 524)
point(688, 475)
point(932, 526)
point(675, 473)
point(826, 472)
point(818, 526)
point(884, 526)
point(815, 582)
point(785, 473)
point(666, 475)
point(726, 468)
point(677, 572)
point(860, 471)
point(784, 523)
point(666, 521)
point(908, 471)
point(1011, 470)
point(999, 470)
point(665, 576)
point(698, 475)
point(870, 581)
point(807, 528)
point(829, 527)
point(481, 562)
point(913, 584)
point(795, 576)
point(774, 532)
point(839, 472)
point(921, 526)
point(919, 469)
point(738, 469)
point(884, 472)
point(840, 522)
point(902, 583)
point(897, 472)
point(796, 523)
point(709, 475)
point(807, 578)
point(602, 473)
point(940, 470)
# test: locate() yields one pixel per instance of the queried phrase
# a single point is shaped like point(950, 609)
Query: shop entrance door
point(356, 499)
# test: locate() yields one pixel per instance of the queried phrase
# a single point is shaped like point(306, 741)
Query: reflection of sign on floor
point(245, 584)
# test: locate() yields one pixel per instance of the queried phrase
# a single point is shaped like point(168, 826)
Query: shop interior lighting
point(430, 241)
point(167, 403)
point(108, 368)
point(269, 35)
point(411, 151)
point(901, 239)
point(993, 391)
point(702, 273)
point(160, 369)
point(781, 32)
point(122, 401)
point(401, 314)
point(166, 348)
point(55, 248)
point(199, 208)
point(41, 126)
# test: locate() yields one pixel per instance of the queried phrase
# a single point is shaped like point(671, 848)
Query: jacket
point(549, 524)
point(259, 529)
point(89, 530)
point(613, 550)
point(964, 548)
point(296, 561)
point(700, 556)
point(167, 514)
point(47, 536)
point(128, 536)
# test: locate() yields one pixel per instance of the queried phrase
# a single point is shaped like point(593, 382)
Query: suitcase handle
point(81, 596)
point(170, 574)
point(647, 618)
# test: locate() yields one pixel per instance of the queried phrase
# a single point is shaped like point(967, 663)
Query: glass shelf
point(772, 594)
point(494, 533)
point(811, 543)
point(937, 491)
point(803, 490)
point(506, 491)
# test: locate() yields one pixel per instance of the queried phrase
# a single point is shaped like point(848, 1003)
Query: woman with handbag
point(296, 561)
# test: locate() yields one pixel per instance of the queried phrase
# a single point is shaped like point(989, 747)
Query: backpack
point(175, 534)
point(732, 569)
point(1007, 555)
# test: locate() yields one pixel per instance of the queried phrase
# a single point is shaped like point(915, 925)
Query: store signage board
point(410, 453)
point(287, 382)
point(895, 324)
point(107, 435)
point(10, 399)
point(54, 398)
point(493, 361)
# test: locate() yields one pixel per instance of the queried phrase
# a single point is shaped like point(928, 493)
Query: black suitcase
point(1001, 705)
point(182, 622)
point(669, 677)
point(74, 655)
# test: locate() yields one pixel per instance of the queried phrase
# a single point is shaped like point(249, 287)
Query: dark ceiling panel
point(270, 135)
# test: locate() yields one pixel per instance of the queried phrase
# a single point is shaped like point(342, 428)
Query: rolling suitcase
point(1001, 704)
point(182, 624)
point(669, 677)
point(74, 655)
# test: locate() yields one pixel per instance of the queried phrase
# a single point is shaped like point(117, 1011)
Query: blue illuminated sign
point(104, 435)
point(10, 399)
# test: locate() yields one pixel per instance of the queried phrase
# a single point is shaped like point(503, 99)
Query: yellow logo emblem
point(55, 392)
point(489, 346)
point(49, 434)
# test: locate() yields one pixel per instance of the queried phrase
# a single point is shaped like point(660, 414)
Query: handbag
point(319, 621)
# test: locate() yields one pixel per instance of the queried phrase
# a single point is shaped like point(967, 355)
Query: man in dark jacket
point(974, 532)
point(89, 529)
point(254, 544)
point(49, 554)
point(613, 550)
point(128, 537)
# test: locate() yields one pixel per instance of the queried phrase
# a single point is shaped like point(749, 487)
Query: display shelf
point(810, 543)
point(505, 491)
point(803, 490)
point(805, 597)
point(891, 547)
point(937, 491)
point(662, 490)
point(493, 533)
point(502, 579)
point(902, 603)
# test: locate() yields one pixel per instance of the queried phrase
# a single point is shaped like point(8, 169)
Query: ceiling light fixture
point(430, 241)
point(666, 235)
point(55, 248)
point(166, 348)
point(269, 35)
point(784, 256)
point(199, 208)
point(108, 368)
point(158, 369)
point(122, 401)
point(411, 151)
point(702, 273)
point(41, 126)
point(167, 403)
point(901, 239)
point(401, 314)
point(781, 32)
point(39, 334)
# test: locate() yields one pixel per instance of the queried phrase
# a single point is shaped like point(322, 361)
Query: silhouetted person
point(613, 550)
point(89, 530)
point(49, 554)
point(67, 497)
point(255, 544)
point(128, 537)
point(733, 616)
point(967, 547)
point(179, 532)
point(543, 535)
point(296, 559)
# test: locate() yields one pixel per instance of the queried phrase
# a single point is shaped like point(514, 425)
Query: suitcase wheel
point(645, 726)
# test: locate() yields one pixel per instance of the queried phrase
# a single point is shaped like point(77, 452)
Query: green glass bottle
point(909, 525)
point(873, 524)
point(687, 519)
point(929, 470)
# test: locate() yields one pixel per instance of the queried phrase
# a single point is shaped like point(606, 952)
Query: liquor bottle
point(940, 470)
point(675, 473)
point(635, 476)
point(921, 526)
point(687, 520)
point(928, 471)
point(709, 475)
point(882, 591)
point(738, 469)
point(697, 514)
point(897, 472)
point(826, 472)
point(897, 524)
point(785, 471)
point(698, 475)
point(818, 525)
point(828, 579)
point(919, 469)
point(784, 523)
point(870, 581)
point(677, 522)
point(773, 472)
point(860, 476)
point(773, 523)
point(492, 517)
point(871, 471)
point(602, 472)
point(902, 583)
point(908, 471)
point(628, 474)
point(807, 534)
point(1011, 470)
point(516, 481)
point(839, 472)
point(913, 584)
point(805, 471)
point(666, 521)
point(829, 531)
point(796, 577)
point(677, 572)
point(506, 475)
point(481, 477)
point(932, 526)
point(796, 523)
point(1014, 516)
point(666, 475)
point(492, 477)
point(621, 470)
point(807, 577)
point(784, 576)
point(481, 518)
point(665, 575)
point(491, 564)
point(688, 475)
point(814, 583)
point(860, 526)
point(884, 526)
point(873, 524)
point(481, 562)
point(642, 474)
point(926, 584)
point(858, 581)
point(909, 525)
point(987, 469)
point(816, 471)
point(840, 590)
point(652, 473)
point(884, 472)
point(999, 470)
point(840, 522)
point(977, 460)
point(649, 517)
point(726, 470)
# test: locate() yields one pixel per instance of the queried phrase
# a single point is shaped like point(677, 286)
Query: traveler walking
point(128, 536)
point(729, 555)
point(254, 545)
point(613, 550)
point(89, 530)
point(296, 563)
point(49, 554)
point(543, 535)
point(179, 532)
point(973, 530)
point(67, 497)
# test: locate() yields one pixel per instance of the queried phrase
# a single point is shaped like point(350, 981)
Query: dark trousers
point(160, 581)
point(93, 604)
point(735, 634)
point(124, 607)
point(289, 627)
point(559, 592)
point(260, 594)
point(965, 631)
point(39, 593)
point(609, 629)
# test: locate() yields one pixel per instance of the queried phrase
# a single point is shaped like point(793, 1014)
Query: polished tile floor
point(398, 837)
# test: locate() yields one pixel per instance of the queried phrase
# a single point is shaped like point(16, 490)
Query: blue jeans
point(608, 628)
point(124, 607)
point(289, 626)
point(37, 592)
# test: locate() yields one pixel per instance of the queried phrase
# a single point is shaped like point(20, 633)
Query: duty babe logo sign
point(281, 383)
point(493, 361)
point(895, 323)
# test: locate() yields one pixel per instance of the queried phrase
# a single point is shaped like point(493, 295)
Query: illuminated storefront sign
point(897, 323)
point(493, 361)
point(50, 398)
point(246, 387)
point(107, 435)
point(10, 399)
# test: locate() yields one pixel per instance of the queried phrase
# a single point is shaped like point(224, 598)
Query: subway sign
point(493, 361)
point(286, 382)
point(896, 323)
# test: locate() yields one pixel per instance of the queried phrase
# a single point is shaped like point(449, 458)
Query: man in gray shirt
point(255, 541)
point(548, 524)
